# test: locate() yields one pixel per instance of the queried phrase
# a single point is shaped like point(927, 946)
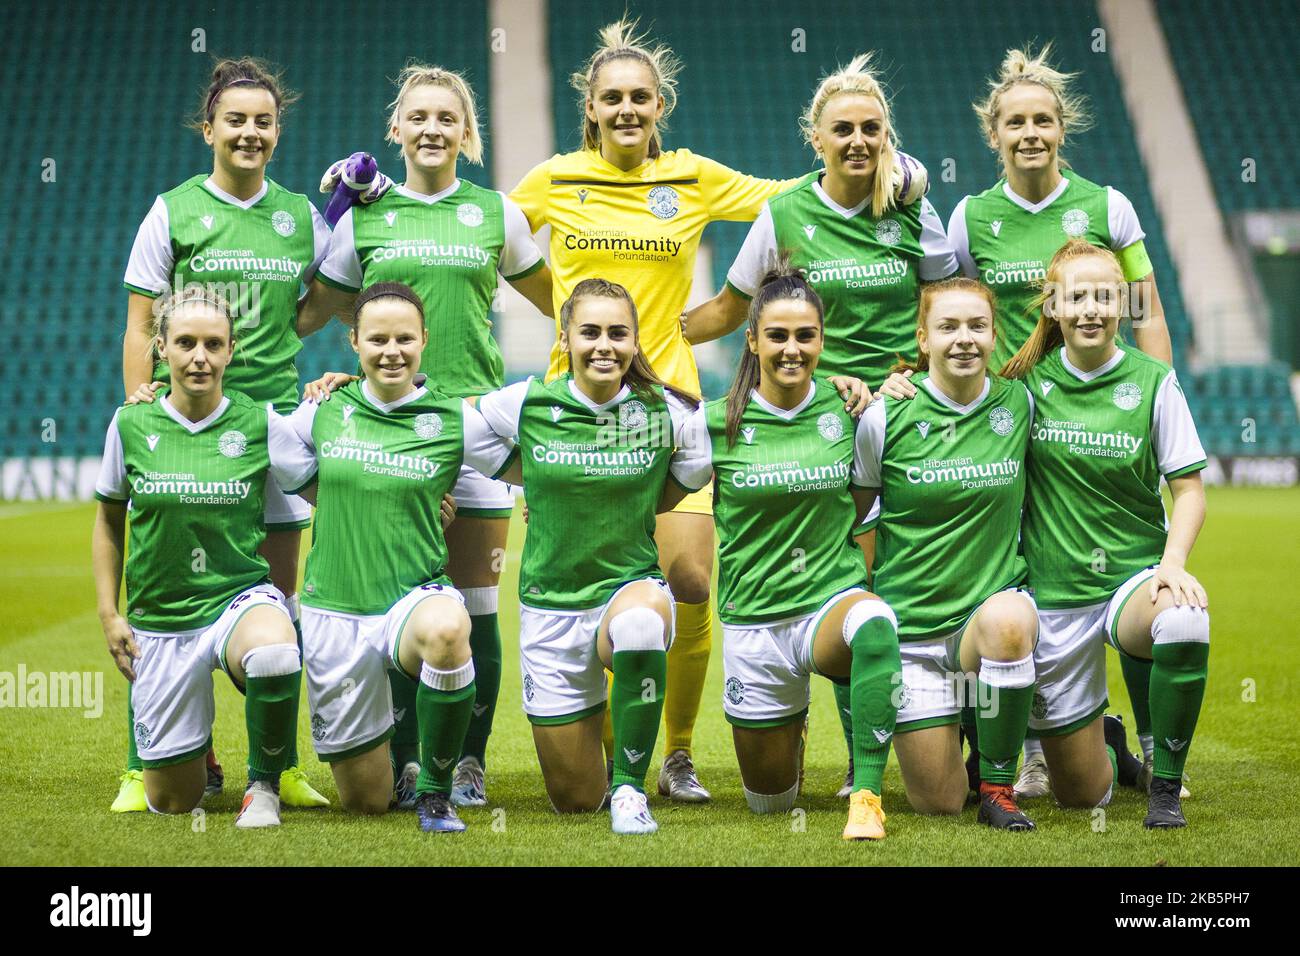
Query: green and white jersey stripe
point(593, 475)
point(781, 501)
point(258, 254)
point(449, 248)
point(1101, 442)
point(952, 486)
point(1006, 242)
point(196, 493)
point(868, 271)
point(380, 470)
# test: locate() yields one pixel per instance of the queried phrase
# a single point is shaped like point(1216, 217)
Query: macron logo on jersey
point(923, 428)
point(347, 411)
point(390, 217)
point(1046, 387)
point(996, 226)
point(747, 433)
point(809, 230)
point(556, 412)
point(207, 221)
point(153, 441)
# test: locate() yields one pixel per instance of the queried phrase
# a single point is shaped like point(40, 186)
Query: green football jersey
point(867, 271)
point(448, 250)
point(1101, 441)
point(593, 474)
point(1007, 243)
point(196, 492)
point(381, 471)
point(952, 486)
point(782, 506)
point(257, 258)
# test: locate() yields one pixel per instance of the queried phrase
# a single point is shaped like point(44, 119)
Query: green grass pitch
point(58, 768)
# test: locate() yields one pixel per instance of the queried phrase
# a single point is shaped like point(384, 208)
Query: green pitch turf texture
point(58, 769)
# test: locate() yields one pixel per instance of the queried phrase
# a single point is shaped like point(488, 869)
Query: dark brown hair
point(386, 290)
point(244, 71)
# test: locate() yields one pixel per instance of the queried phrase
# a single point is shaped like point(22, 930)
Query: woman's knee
point(690, 581)
point(441, 639)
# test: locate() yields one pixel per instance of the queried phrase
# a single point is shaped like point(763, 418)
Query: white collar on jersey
point(224, 196)
point(786, 413)
point(427, 200)
point(943, 399)
point(1030, 207)
point(390, 406)
point(580, 396)
point(194, 427)
point(832, 205)
point(1100, 370)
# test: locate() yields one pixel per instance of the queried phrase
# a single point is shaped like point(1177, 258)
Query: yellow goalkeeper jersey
point(641, 229)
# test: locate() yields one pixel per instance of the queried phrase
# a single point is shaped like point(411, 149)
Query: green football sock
point(873, 677)
point(273, 680)
point(485, 646)
point(444, 702)
point(1114, 765)
point(133, 761)
point(406, 726)
point(636, 703)
point(1180, 656)
point(1006, 693)
point(844, 707)
point(1137, 678)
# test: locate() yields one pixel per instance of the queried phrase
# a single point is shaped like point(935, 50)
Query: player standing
point(381, 453)
point(1105, 564)
point(592, 450)
point(238, 232)
point(864, 253)
point(949, 467)
point(193, 467)
point(448, 239)
point(792, 593)
point(1006, 235)
point(624, 208)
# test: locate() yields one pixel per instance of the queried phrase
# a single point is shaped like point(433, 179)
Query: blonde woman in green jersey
point(1105, 564)
point(864, 252)
point(780, 450)
point(449, 240)
point(948, 466)
point(382, 452)
point(236, 231)
point(593, 449)
point(193, 469)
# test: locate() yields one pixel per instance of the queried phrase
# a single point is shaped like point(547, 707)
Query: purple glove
point(356, 179)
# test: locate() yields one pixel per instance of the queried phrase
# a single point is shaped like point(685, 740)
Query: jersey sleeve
point(341, 267)
point(959, 240)
point(530, 195)
point(1122, 219)
point(757, 255)
point(501, 409)
point(736, 196)
point(938, 260)
point(1173, 433)
point(692, 461)
point(320, 233)
point(869, 446)
point(293, 451)
point(149, 270)
point(519, 255)
point(112, 484)
point(485, 451)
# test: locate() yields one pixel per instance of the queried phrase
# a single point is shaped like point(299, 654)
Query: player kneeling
point(194, 466)
point(793, 600)
point(378, 458)
point(592, 450)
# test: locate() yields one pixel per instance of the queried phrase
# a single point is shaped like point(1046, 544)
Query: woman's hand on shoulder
point(854, 391)
point(321, 389)
point(899, 386)
point(144, 395)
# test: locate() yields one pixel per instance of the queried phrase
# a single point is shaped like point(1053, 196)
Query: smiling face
point(957, 335)
point(1087, 301)
point(788, 344)
point(626, 106)
point(197, 348)
point(1028, 132)
point(601, 342)
point(431, 127)
point(388, 339)
point(849, 135)
point(243, 130)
